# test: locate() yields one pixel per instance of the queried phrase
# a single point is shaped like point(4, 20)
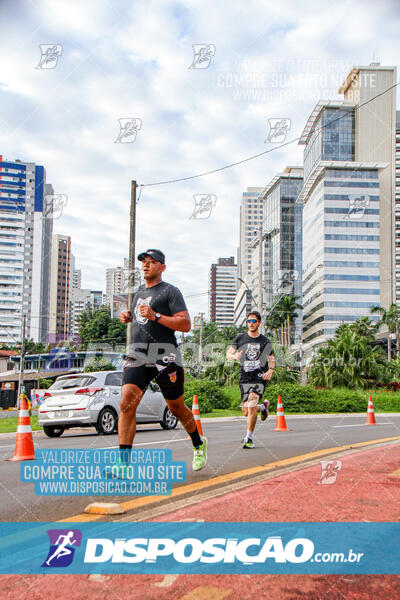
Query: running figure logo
point(357, 206)
point(203, 54)
point(50, 54)
point(62, 547)
point(329, 471)
point(203, 205)
point(128, 129)
point(278, 129)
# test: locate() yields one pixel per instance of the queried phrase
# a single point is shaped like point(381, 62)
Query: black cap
point(156, 254)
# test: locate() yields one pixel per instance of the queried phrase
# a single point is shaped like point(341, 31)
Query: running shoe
point(200, 455)
point(248, 443)
point(264, 413)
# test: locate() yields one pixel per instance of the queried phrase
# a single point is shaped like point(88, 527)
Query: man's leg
point(250, 411)
point(183, 413)
point(130, 397)
point(185, 416)
point(251, 418)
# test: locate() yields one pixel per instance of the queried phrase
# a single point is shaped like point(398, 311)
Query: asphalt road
point(18, 501)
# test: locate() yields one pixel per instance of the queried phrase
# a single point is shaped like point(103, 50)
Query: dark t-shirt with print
point(152, 342)
point(254, 359)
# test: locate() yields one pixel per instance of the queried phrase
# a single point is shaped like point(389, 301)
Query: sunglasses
point(252, 321)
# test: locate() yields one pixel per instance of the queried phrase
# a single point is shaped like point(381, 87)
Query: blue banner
point(219, 548)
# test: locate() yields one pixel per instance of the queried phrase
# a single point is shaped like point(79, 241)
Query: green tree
point(349, 360)
point(98, 364)
point(281, 316)
point(390, 318)
point(98, 326)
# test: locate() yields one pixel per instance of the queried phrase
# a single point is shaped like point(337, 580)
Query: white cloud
point(131, 60)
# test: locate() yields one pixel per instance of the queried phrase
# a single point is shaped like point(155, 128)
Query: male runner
point(158, 310)
point(254, 351)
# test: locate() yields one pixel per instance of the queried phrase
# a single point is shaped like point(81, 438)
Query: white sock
point(262, 406)
point(249, 435)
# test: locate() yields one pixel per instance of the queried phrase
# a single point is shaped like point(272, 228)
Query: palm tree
point(286, 308)
point(390, 318)
point(348, 360)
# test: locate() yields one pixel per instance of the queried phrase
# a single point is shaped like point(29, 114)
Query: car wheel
point(53, 430)
point(107, 421)
point(169, 420)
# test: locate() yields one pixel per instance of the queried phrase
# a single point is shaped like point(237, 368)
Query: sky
point(135, 61)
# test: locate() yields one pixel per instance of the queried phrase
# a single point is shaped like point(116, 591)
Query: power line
point(240, 162)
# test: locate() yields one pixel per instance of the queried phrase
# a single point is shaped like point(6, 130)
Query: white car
point(93, 400)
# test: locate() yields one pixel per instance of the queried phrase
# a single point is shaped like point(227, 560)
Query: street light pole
point(21, 363)
point(131, 260)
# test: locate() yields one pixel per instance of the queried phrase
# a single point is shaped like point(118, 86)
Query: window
point(114, 379)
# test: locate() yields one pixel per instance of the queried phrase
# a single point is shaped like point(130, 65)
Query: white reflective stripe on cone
point(24, 429)
point(24, 413)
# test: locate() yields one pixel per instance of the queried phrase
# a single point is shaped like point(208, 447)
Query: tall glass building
point(341, 225)
point(397, 200)
point(25, 251)
point(282, 225)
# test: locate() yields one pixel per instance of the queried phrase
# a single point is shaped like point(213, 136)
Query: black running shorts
point(170, 378)
point(257, 387)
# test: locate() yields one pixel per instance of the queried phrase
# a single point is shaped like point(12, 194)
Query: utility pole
point(131, 261)
point(21, 387)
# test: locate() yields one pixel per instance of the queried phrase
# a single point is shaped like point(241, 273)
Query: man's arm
point(271, 367)
point(233, 353)
point(180, 321)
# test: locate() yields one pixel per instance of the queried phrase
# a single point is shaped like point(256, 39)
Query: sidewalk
point(367, 488)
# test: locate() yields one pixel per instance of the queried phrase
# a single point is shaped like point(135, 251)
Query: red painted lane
point(364, 490)
point(200, 587)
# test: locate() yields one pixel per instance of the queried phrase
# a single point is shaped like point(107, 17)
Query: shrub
point(306, 399)
point(98, 364)
point(209, 394)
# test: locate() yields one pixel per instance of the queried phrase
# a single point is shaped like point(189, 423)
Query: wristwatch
point(157, 316)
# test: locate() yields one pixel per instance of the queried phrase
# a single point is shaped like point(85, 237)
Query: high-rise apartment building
point(341, 224)
point(282, 229)
point(222, 291)
point(374, 141)
point(397, 208)
point(26, 224)
point(251, 214)
point(60, 288)
point(81, 300)
point(116, 281)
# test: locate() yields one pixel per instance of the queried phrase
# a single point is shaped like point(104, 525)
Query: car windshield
point(73, 381)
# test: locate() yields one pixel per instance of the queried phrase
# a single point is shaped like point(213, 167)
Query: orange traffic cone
point(196, 414)
point(370, 414)
point(24, 449)
point(280, 417)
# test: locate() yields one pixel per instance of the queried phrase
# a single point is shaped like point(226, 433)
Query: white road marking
point(361, 425)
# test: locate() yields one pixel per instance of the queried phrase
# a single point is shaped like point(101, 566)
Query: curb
point(142, 508)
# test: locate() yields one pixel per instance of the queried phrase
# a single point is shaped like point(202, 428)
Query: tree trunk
point(282, 335)
point(389, 347)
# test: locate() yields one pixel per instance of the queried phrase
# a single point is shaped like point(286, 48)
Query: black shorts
point(258, 387)
point(170, 378)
